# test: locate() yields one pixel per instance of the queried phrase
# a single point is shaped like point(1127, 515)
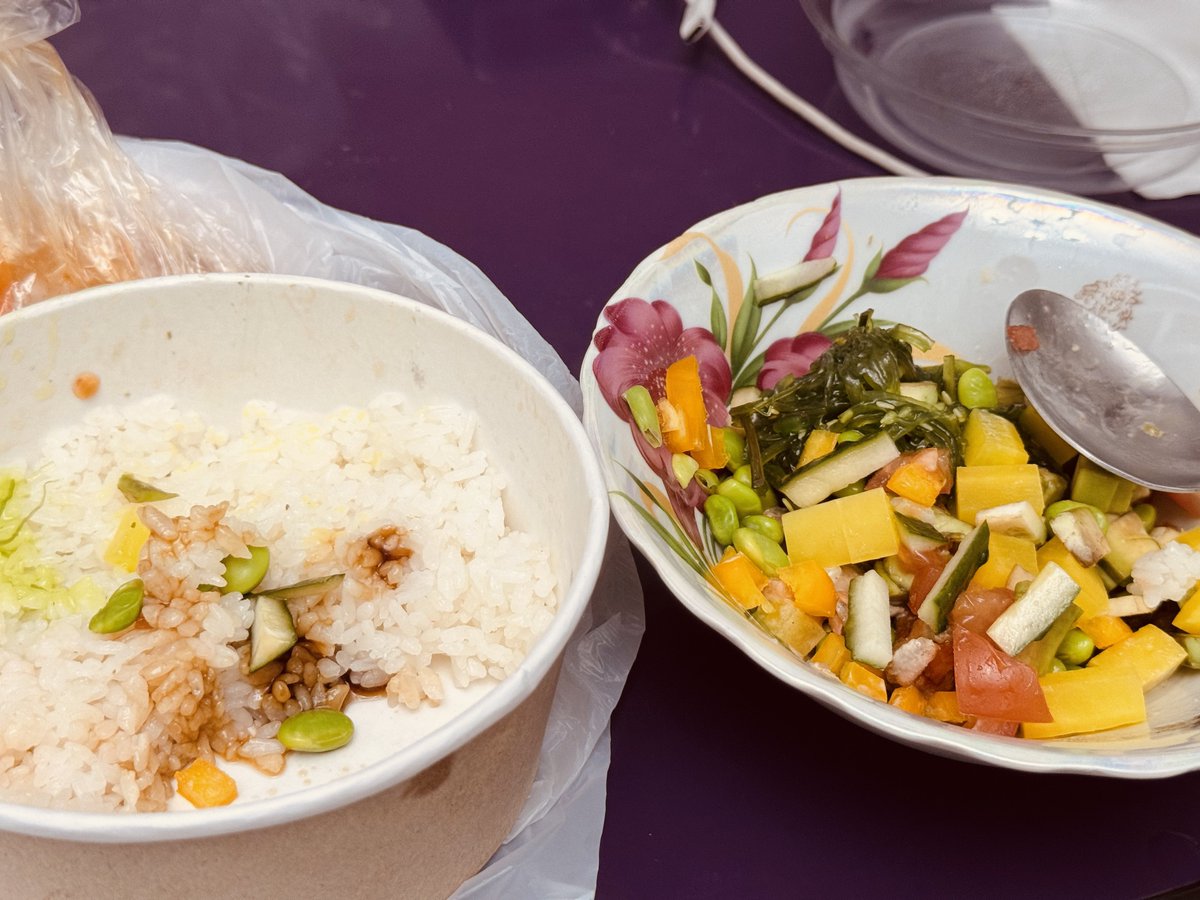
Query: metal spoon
point(1105, 397)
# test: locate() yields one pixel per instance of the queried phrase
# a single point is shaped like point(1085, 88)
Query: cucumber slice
point(970, 555)
point(1040, 653)
point(924, 391)
point(942, 521)
point(1018, 519)
point(273, 633)
point(308, 588)
point(919, 536)
point(868, 630)
point(896, 574)
point(843, 467)
point(1030, 617)
point(1191, 643)
point(786, 282)
point(1128, 542)
point(1123, 605)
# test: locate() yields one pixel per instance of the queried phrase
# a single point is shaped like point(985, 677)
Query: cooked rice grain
point(102, 722)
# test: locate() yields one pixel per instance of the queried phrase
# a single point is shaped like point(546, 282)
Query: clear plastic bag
point(79, 208)
point(74, 209)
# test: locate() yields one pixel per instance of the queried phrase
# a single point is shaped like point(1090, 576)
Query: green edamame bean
point(747, 502)
point(121, 610)
point(316, 731)
point(244, 574)
point(1148, 514)
point(735, 447)
point(745, 475)
point(1076, 648)
point(760, 550)
point(722, 518)
point(766, 526)
point(975, 389)
point(1057, 665)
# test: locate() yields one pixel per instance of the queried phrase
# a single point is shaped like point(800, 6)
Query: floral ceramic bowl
point(944, 255)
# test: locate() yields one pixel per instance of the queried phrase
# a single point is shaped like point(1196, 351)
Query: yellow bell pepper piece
point(943, 706)
point(1189, 613)
point(1005, 552)
point(916, 483)
point(992, 440)
point(818, 443)
point(843, 531)
point(741, 579)
point(864, 680)
point(686, 395)
point(832, 654)
point(982, 487)
point(203, 785)
point(1089, 699)
point(1191, 538)
point(908, 698)
point(811, 587)
point(1046, 437)
point(1105, 630)
point(794, 627)
point(127, 541)
point(1093, 596)
point(1149, 651)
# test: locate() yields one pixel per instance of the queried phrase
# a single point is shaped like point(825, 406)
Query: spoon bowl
point(1102, 394)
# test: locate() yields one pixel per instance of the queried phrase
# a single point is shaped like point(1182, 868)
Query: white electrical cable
point(699, 19)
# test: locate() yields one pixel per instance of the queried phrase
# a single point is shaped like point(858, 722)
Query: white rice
point(1166, 574)
point(79, 726)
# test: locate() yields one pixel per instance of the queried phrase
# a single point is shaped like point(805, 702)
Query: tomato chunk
point(977, 608)
point(992, 684)
point(1189, 503)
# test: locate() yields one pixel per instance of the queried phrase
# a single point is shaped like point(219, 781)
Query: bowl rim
point(919, 732)
point(124, 827)
point(1164, 137)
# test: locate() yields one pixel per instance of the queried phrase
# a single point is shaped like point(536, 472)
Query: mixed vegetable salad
point(920, 533)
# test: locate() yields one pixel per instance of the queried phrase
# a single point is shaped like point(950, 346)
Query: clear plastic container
point(1088, 97)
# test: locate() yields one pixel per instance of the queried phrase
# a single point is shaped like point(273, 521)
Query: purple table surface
point(555, 144)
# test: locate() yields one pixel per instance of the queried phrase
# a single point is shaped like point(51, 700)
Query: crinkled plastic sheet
point(553, 850)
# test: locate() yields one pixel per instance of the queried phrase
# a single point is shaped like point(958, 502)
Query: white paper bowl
point(1131, 268)
point(416, 803)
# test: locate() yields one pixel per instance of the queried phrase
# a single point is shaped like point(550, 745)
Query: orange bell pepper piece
point(811, 587)
point(864, 680)
point(1105, 630)
point(832, 654)
point(741, 579)
point(908, 698)
point(203, 785)
point(943, 706)
point(686, 395)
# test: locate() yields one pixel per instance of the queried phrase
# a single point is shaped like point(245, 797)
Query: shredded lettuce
point(29, 583)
